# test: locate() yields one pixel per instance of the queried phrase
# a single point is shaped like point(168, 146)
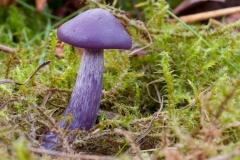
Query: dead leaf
point(40, 4)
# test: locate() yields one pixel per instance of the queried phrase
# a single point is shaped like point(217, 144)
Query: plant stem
point(86, 96)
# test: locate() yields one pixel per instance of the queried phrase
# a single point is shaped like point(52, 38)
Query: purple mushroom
point(93, 30)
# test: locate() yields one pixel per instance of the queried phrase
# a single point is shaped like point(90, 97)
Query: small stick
point(45, 100)
point(155, 116)
point(18, 83)
point(57, 90)
point(56, 105)
point(66, 155)
point(206, 15)
point(129, 137)
point(7, 102)
point(7, 49)
point(194, 101)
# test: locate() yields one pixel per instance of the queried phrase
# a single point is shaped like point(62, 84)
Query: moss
point(199, 84)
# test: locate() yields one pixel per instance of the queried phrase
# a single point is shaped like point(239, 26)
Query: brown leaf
point(40, 4)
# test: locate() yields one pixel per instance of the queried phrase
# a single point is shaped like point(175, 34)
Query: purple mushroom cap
point(95, 29)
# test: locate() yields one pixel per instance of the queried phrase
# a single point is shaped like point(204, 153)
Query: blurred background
point(28, 21)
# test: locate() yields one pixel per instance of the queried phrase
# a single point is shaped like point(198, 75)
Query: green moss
point(198, 81)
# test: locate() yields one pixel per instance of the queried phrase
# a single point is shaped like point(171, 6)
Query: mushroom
point(93, 30)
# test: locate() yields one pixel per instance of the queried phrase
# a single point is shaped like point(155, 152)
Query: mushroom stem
point(86, 96)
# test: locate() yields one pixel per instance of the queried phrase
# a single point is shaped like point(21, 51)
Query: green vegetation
point(194, 77)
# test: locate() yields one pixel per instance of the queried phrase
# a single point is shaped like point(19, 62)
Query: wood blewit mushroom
point(93, 30)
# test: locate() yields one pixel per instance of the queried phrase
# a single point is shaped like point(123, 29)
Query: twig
point(134, 52)
point(155, 115)
point(45, 100)
point(194, 101)
point(131, 140)
point(206, 15)
point(18, 83)
point(66, 155)
point(56, 105)
point(147, 130)
point(82, 140)
point(57, 90)
point(49, 119)
point(7, 102)
point(145, 133)
point(7, 49)
point(160, 100)
point(149, 93)
point(38, 68)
